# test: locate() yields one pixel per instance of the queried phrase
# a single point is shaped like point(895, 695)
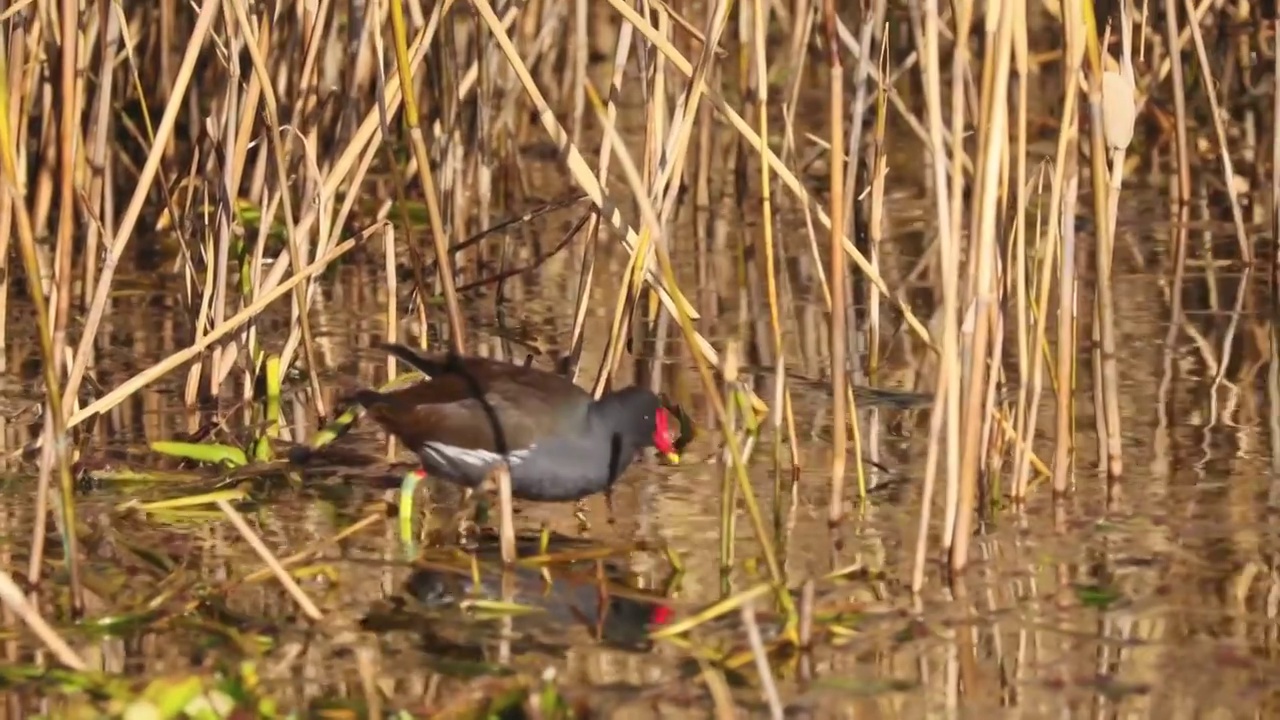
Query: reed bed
point(251, 152)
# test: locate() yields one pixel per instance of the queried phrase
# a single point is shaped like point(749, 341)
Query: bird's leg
point(580, 512)
point(408, 484)
point(608, 505)
point(464, 518)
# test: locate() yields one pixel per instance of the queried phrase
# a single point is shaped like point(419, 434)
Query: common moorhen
point(568, 594)
point(558, 442)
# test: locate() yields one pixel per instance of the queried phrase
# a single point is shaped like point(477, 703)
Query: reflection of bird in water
point(620, 621)
point(614, 613)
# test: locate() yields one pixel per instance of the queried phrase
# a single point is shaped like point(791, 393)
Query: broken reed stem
point(768, 687)
point(314, 550)
point(417, 140)
point(255, 542)
point(506, 514)
point(13, 598)
point(839, 373)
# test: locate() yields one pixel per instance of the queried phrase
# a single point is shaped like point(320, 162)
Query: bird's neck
point(610, 410)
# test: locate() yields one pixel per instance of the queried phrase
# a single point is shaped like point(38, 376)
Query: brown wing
point(480, 403)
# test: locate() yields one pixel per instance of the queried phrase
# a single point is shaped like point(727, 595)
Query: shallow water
point(1158, 598)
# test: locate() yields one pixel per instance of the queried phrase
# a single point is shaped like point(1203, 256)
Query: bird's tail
point(429, 366)
point(367, 399)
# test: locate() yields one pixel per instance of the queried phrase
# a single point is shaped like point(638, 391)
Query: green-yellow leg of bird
point(580, 512)
point(469, 516)
point(408, 484)
point(544, 539)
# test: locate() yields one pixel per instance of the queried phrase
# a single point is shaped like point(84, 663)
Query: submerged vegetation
point(810, 222)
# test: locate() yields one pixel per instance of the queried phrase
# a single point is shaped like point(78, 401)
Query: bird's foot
point(408, 484)
point(467, 528)
point(580, 512)
point(608, 506)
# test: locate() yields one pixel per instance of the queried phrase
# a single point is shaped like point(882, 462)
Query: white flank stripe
point(475, 456)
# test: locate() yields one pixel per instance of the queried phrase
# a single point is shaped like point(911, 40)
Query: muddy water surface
point(1158, 599)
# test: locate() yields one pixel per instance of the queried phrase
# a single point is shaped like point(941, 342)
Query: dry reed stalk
point(151, 374)
point(676, 142)
point(728, 495)
point(944, 418)
point(12, 597)
point(914, 124)
point(718, 688)
point(364, 141)
point(797, 58)
point(768, 687)
point(146, 176)
point(393, 326)
point(783, 392)
point(1182, 194)
point(839, 378)
point(1023, 422)
point(418, 141)
point(290, 585)
point(56, 455)
point(875, 237)
point(506, 514)
point(68, 120)
point(222, 356)
point(582, 174)
point(983, 258)
point(715, 398)
point(299, 252)
point(1068, 294)
point(1106, 385)
point(1029, 389)
point(775, 164)
point(1237, 216)
point(641, 259)
point(851, 156)
point(1275, 201)
point(1062, 193)
point(368, 668)
point(1220, 134)
point(11, 105)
